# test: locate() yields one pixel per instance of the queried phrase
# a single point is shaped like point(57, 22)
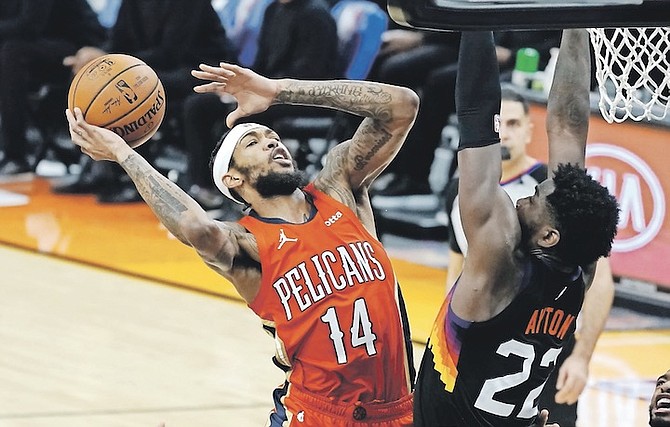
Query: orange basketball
point(121, 93)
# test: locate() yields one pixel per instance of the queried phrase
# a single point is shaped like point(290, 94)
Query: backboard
point(528, 14)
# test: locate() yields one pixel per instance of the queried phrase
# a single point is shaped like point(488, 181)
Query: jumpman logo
point(283, 239)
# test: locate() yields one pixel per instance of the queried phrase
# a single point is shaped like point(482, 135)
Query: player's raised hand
point(254, 93)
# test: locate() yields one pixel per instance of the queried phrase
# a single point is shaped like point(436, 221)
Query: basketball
point(121, 93)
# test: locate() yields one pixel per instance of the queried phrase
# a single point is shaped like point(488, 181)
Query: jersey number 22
point(486, 400)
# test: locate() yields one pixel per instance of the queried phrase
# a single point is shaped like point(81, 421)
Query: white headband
point(225, 154)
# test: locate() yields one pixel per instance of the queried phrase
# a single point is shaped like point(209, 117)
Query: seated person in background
point(413, 164)
point(659, 405)
point(520, 174)
point(298, 39)
point(35, 36)
point(172, 37)
point(417, 59)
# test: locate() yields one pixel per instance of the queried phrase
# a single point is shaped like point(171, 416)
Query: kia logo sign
point(637, 190)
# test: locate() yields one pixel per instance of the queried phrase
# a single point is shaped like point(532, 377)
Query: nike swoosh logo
point(561, 293)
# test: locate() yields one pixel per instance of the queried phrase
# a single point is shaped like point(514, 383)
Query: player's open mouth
point(280, 155)
point(662, 406)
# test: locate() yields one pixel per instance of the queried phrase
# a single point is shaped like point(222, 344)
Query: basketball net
point(633, 72)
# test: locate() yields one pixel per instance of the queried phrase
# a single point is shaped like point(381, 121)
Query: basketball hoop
point(633, 72)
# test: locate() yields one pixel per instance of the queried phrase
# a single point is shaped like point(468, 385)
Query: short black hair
point(586, 215)
point(510, 93)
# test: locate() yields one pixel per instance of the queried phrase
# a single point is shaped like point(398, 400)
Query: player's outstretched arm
point(478, 107)
point(219, 244)
point(568, 107)
point(489, 219)
point(485, 208)
point(389, 113)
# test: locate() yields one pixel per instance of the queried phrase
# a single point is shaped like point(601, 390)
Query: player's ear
point(232, 180)
point(549, 237)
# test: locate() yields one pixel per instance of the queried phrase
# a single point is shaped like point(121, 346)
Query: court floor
point(107, 321)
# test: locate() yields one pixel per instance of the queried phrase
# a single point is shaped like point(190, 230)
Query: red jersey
point(329, 291)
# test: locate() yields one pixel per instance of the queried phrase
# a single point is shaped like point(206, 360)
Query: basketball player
point(659, 406)
point(305, 259)
point(520, 174)
point(505, 321)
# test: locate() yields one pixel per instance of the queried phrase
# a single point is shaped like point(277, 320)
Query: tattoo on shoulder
point(250, 246)
point(335, 166)
point(331, 185)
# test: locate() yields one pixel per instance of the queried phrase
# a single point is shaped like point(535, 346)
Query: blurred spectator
point(412, 165)
point(426, 62)
point(35, 36)
point(416, 58)
point(509, 42)
point(298, 39)
point(171, 36)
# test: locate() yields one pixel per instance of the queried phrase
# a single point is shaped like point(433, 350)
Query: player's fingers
point(560, 378)
point(541, 418)
point(204, 75)
point(201, 75)
point(70, 118)
point(230, 120)
point(567, 398)
point(79, 116)
point(561, 397)
point(231, 69)
point(83, 127)
point(76, 131)
point(209, 88)
point(232, 117)
point(224, 70)
point(570, 391)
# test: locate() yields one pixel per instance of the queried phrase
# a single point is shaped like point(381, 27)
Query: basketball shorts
point(304, 409)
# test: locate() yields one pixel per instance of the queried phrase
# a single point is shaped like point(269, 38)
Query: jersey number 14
point(361, 330)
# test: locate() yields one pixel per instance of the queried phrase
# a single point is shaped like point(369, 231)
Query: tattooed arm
point(568, 108)
point(388, 112)
point(225, 247)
